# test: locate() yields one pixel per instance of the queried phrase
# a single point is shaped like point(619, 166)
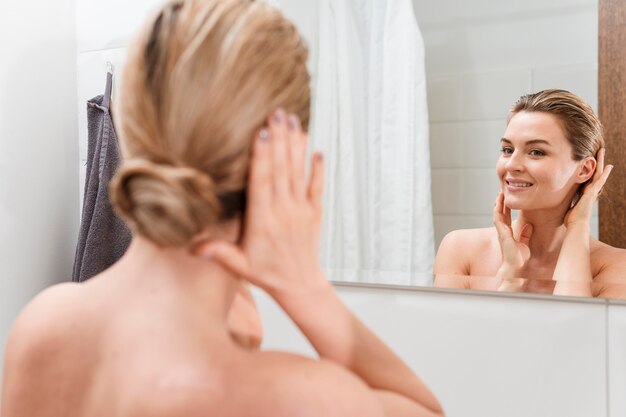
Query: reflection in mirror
point(478, 59)
point(614, 289)
point(551, 169)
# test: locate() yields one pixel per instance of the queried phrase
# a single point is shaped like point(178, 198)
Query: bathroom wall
point(481, 55)
point(38, 151)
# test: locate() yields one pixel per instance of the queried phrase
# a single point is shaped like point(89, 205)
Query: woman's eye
point(506, 151)
point(537, 152)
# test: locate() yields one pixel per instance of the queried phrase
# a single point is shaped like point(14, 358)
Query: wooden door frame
point(612, 113)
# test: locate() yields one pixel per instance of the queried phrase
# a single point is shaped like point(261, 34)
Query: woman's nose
point(515, 162)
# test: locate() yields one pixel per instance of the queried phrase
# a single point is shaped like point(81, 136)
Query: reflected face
point(536, 169)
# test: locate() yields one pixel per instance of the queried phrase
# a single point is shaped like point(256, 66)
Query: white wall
point(38, 151)
point(481, 56)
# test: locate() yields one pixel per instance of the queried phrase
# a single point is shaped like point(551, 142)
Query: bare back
point(95, 350)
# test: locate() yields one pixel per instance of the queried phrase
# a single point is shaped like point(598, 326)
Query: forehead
point(525, 126)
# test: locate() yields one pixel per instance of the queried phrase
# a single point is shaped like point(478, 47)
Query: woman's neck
point(548, 231)
point(177, 280)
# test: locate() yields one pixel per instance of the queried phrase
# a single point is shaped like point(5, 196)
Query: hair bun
point(167, 204)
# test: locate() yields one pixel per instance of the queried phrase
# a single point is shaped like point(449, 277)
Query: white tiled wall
point(485, 356)
point(481, 55)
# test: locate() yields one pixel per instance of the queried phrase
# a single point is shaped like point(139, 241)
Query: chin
point(519, 206)
point(515, 203)
point(529, 204)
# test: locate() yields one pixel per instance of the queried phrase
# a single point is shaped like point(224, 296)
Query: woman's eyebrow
point(530, 142)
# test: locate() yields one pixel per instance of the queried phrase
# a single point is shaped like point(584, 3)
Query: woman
point(552, 171)
point(149, 336)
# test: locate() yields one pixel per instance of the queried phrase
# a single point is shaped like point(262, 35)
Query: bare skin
point(151, 337)
point(549, 242)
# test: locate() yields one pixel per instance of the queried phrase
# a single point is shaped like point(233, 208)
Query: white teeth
point(520, 184)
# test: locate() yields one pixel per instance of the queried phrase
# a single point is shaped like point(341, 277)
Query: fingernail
point(293, 122)
point(264, 135)
point(319, 156)
point(279, 115)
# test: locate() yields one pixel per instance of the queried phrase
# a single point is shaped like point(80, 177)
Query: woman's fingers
point(260, 180)
point(599, 184)
point(525, 235)
point(316, 184)
point(581, 212)
point(504, 232)
point(280, 156)
point(296, 144)
point(500, 219)
point(507, 216)
point(498, 208)
point(501, 212)
point(602, 173)
point(600, 162)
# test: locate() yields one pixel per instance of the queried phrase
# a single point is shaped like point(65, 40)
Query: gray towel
point(103, 237)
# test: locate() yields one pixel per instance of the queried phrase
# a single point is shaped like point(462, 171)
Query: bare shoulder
point(608, 263)
point(463, 237)
point(303, 386)
point(608, 266)
point(261, 384)
point(273, 384)
point(37, 338)
point(459, 247)
point(42, 318)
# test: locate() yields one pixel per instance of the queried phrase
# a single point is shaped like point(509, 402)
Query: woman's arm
point(244, 323)
point(337, 335)
point(279, 253)
point(573, 274)
point(573, 268)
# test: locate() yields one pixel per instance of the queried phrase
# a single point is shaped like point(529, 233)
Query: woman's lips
point(517, 185)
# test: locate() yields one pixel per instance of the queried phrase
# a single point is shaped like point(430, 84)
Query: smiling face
point(536, 168)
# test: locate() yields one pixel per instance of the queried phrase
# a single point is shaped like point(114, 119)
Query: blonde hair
point(199, 82)
point(582, 127)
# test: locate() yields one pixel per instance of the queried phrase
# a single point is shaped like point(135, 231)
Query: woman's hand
point(581, 212)
point(515, 252)
point(573, 274)
point(279, 248)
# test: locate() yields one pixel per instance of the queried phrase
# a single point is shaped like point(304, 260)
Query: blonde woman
point(552, 171)
point(149, 336)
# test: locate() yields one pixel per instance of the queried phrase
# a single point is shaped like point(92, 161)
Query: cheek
point(500, 171)
point(559, 179)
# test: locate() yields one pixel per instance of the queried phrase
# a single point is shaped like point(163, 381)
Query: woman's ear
point(229, 231)
point(586, 170)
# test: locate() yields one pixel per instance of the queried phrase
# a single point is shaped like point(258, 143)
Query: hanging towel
point(371, 120)
point(103, 237)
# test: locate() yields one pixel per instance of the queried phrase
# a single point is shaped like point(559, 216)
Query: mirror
point(395, 189)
